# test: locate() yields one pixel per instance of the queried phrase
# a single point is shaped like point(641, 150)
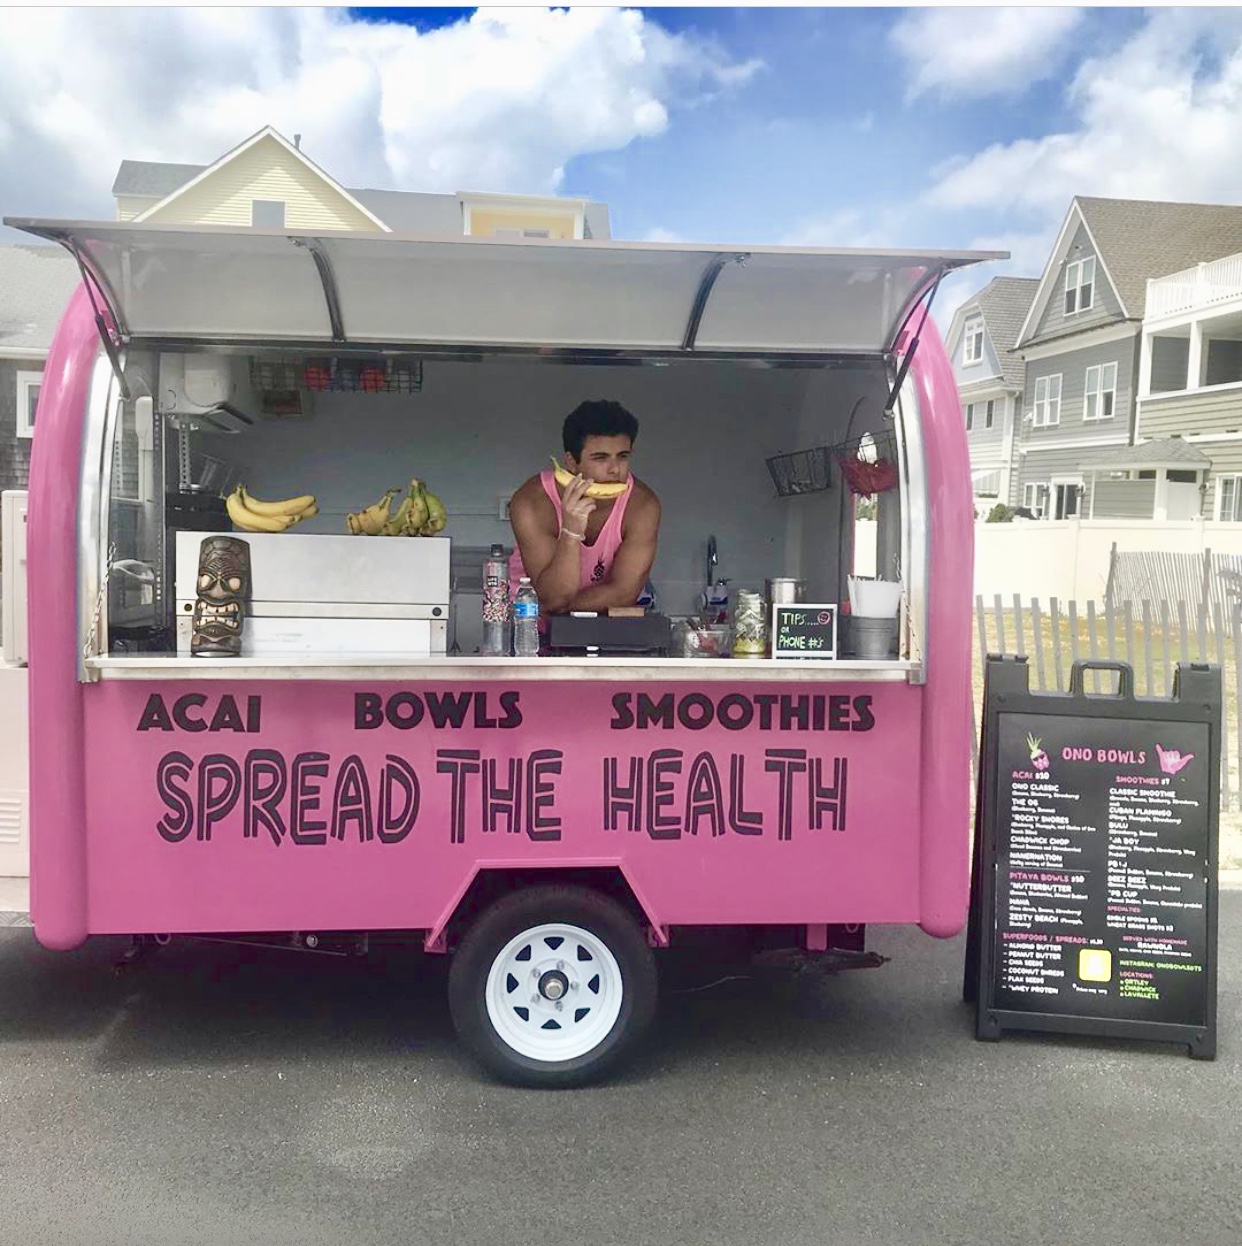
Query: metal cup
point(783, 590)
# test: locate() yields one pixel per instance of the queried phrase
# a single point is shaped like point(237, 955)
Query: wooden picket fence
point(1152, 637)
point(1208, 582)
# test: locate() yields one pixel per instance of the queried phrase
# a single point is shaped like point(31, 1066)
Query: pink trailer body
point(333, 806)
point(170, 806)
point(173, 798)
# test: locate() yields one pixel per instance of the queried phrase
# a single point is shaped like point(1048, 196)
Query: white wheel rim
point(546, 966)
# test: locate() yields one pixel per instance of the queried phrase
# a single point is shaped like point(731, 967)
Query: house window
point(1035, 499)
point(269, 213)
point(1079, 285)
point(972, 342)
point(1101, 392)
point(27, 400)
point(970, 416)
point(521, 233)
point(988, 413)
point(1047, 400)
point(1228, 499)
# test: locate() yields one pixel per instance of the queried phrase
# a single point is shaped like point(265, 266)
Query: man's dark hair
point(601, 418)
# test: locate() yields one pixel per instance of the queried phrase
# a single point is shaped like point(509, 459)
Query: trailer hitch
point(830, 960)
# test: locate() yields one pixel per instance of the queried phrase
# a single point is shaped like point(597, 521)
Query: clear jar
point(750, 633)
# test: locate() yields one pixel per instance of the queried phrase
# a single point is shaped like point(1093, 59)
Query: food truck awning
point(228, 285)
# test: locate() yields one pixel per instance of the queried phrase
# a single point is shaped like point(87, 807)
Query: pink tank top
point(595, 560)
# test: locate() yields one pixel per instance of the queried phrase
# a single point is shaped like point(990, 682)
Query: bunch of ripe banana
point(252, 515)
point(596, 489)
point(420, 513)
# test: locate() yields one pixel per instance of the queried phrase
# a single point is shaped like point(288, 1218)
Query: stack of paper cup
point(873, 617)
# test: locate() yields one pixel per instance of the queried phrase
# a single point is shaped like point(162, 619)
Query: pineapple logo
point(1039, 759)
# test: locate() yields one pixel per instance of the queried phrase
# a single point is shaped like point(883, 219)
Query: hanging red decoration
point(864, 477)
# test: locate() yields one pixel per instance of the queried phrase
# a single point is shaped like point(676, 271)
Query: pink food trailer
point(550, 822)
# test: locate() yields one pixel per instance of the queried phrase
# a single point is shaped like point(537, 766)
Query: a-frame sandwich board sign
point(1094, 889)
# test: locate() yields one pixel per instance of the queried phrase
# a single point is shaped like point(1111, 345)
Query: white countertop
point(466, 669)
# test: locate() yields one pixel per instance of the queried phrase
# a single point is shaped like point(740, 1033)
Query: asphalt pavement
point(223, 1096)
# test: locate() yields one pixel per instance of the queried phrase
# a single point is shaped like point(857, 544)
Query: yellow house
point(269, 182)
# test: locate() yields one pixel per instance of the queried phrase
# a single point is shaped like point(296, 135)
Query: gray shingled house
point(989, 379)
point(1080, 343)
point(35, 285)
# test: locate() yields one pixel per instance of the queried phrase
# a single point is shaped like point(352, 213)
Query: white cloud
point(503, 101)
point(852, 227)
point(969, 53)
point(1160, 118)
point(660, 234)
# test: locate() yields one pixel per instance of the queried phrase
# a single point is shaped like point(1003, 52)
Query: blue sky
point(850, 127)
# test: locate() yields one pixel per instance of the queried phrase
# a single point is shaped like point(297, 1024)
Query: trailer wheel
point(552, 986)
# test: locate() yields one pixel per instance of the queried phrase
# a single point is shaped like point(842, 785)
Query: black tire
point(601, 918)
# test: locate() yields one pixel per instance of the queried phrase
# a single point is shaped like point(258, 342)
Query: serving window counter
point(549, 821)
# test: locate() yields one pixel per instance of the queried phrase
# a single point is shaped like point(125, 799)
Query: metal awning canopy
point(223, 285)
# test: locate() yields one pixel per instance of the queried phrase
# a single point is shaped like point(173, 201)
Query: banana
point(416, 516)
point(245, 519)
point(594, 490)
point(437, 516)
point(420, 513)
point(396, 525)
point(289, 506)
point(371, 521)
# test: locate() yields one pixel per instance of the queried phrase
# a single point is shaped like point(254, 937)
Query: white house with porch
point(1190, 374)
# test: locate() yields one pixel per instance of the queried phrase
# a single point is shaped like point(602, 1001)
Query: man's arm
point(633, 562)
point(551, 560)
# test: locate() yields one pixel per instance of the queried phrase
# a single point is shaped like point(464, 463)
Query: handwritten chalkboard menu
point(1094, 891)
point(804, 631)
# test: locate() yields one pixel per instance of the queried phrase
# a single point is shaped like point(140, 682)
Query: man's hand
point(576, 506)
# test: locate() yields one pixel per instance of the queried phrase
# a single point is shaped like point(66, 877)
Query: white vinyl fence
point(1070, 559)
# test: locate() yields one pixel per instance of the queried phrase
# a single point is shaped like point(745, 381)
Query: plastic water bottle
point(497, 613)
point(526, 620)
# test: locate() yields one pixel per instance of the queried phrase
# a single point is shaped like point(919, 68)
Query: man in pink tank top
point(585, 553)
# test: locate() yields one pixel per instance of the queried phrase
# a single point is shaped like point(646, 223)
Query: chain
point(92, 636)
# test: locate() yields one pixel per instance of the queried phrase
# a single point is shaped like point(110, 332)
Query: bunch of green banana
point(420, 513)
point(250, 514)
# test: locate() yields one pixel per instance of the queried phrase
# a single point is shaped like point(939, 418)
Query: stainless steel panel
point(289, 567)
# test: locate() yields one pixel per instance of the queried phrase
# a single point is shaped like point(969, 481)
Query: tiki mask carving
point(223, 591)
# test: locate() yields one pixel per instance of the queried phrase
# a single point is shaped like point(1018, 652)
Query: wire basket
point(802, 471)
point(338, 376)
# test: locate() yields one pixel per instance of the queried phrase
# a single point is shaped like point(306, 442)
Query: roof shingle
point(153, 179)
point(1158, 452)
point(1141, 238)
point(36, 284)
point(1004, 302)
